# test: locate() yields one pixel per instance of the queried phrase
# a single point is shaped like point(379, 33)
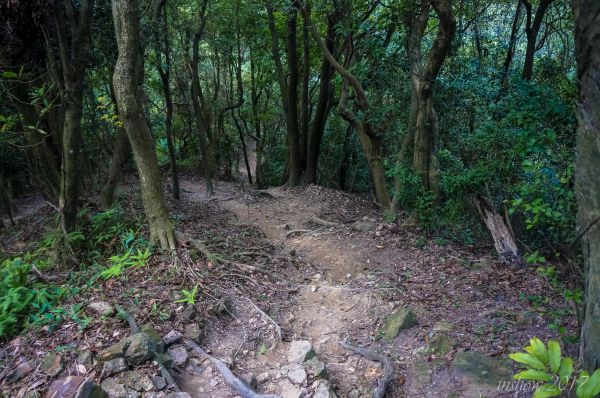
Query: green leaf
point(566, 370)
point(537, 349)
point(590, 386)
point(547, 390)
point(532, 374)
point(9, 75)
point(528, 360)
point(554, 355)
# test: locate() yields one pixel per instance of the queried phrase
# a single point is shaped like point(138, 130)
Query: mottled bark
point(587, 178)
point(512, 41)
point(425, 161)
point(73, 49)
point(127, 80)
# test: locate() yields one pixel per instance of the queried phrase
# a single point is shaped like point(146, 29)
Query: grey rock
point(179, 356)
point(296, 374)
point(188, 313)
point(139, 349)
point(316, 368)
point(101, 308)
point(154, 337)
point(324, 390)
point(33, 394)
point(354, 394)
point(114, 389)
point(22, 370)
point(52, 365)
point(289, 390)
point(194, 332)
point(440, 327)
point(398, 320)
point(172, 337)
point(155, 394)
point(159, 382)
point(249, 379)
point(362, 226)
point(262, 377)
point(114, 366)
point(137, 380)
point(165, 359)
point(299, 351)
point(479, 368)
point(112, 352)
point(441, 344)
point(75, 387)
point(86, 359)
point(178, 395)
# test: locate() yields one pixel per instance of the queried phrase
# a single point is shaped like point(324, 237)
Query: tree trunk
point(165, 73)
point(107, 194)
point(532, 28)
point(295, 170)
point(46, 165)
point(73, 55)
point(127, 80)
point(425, 161)
point(201, 112)
point(510, 53)
point(504, 241)
point(119, 156)
point(323, 105)
point(587, 178)
point(305, 100)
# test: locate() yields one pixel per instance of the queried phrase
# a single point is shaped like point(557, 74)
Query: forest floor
point(274, 266)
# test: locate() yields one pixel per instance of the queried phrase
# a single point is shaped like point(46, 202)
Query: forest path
point(327, 308)
point(349, 277)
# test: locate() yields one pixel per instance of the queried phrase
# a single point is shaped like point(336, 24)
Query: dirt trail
point(326, 307)
point(349, 278)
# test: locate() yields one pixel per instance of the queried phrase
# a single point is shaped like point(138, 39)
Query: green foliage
point(189, 296)
point(128, 259)
point(554, 373)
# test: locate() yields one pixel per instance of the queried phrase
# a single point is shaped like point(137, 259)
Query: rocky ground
point(284, 277)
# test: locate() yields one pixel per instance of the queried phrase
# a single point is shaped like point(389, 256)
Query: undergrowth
point(104, 245)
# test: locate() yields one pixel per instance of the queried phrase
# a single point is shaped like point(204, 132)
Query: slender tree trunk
point(295, 170)
point(425, 161)
point(305, 100)
point(127, 80)
point(201, 112)
point(587, 178)
point(323, 105)
point(107, 194)
point(73, 54)
point(162, 40)
point(532, 28)
point(512, 41)
point(45, 162)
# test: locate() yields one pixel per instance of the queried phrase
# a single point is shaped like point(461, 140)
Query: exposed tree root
point(388, 368)
point(297, 231)
point(157, 358)
point(319, 221)
point(232, 381)
point(277, 328)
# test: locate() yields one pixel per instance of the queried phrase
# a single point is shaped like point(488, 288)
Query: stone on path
point(480, 374)
point(114, 366)
point(101, 308)
point(52, 365)
point(398, 320)
point(75, 387)
point(299, 351)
